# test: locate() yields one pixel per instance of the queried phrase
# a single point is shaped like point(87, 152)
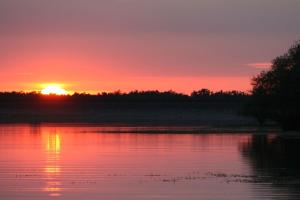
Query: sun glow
point(54, 89)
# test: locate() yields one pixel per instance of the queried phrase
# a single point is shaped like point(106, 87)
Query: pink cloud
point(260, 65)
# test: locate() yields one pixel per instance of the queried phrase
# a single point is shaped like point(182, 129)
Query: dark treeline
point(118, 100)
point(203, 95)
point(201, 107)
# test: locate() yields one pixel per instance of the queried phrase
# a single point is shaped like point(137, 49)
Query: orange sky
point(95, 46)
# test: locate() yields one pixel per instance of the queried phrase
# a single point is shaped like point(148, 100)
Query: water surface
point(90, 162)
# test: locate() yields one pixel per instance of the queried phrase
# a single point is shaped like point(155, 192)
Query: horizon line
point(70, 93)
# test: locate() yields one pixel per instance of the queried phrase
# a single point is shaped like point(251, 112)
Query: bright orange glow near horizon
point(54, 89)
point(185, 85)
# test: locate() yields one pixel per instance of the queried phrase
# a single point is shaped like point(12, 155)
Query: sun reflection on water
point(52, 168)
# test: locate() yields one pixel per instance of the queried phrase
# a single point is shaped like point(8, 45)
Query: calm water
point(82, 162)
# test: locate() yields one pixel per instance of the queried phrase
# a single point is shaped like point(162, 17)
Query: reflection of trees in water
point(275, 160)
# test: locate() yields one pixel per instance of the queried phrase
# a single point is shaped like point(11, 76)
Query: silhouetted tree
point(276, 92)
point(202, 92)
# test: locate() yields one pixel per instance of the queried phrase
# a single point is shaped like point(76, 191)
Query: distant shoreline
point(148, 121)
point(180, 116)
point(148, 108)
point(159, 129)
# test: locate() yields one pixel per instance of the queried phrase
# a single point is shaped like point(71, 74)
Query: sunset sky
point(183, 45)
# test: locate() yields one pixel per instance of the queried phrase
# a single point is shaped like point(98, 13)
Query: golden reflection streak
point(52, 169)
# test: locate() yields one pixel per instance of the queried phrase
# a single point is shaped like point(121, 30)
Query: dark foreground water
point(82, 162)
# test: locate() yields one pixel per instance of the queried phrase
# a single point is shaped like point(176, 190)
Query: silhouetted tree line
point(114, 102)
point(276, 92)
point(133, 96)
point(136, 107)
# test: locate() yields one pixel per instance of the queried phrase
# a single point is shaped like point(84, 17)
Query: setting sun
point(54, 89)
